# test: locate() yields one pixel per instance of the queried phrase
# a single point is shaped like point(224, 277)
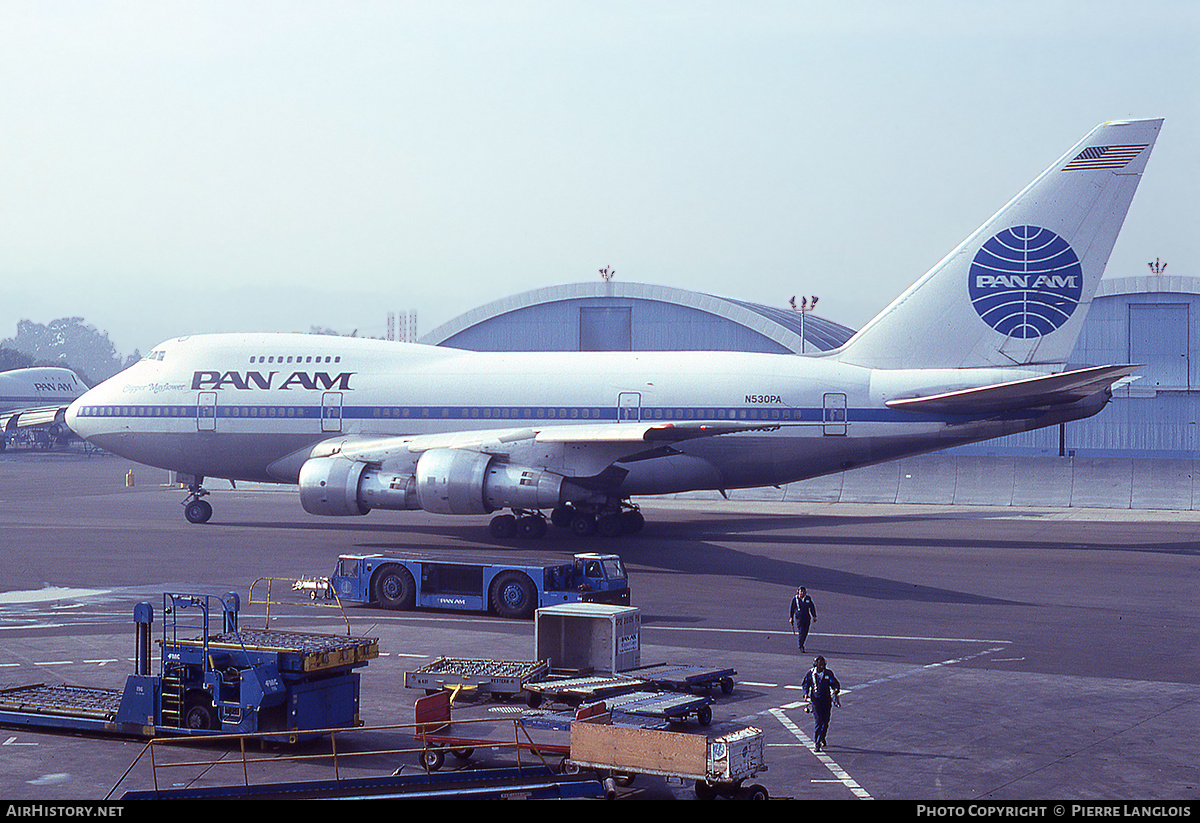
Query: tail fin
point(1017, 290)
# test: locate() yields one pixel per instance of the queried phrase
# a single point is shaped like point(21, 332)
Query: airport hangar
point(1139, 452)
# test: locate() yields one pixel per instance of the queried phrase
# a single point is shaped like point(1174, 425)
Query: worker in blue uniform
point(804, 613)
point(821, 689)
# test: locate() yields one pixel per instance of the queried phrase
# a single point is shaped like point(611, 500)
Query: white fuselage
point(38, 386)
point(254, 407)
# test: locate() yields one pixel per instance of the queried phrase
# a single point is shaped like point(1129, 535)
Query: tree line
point(68, 342)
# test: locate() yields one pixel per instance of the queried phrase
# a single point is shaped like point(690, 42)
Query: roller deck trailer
point(673, 707)
point(683, 677)
point(496, 677)
point(575, 691)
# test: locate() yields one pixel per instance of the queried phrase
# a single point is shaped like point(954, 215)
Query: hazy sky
point(173, 168)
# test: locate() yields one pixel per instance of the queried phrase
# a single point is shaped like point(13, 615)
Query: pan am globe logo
point(1025, 282)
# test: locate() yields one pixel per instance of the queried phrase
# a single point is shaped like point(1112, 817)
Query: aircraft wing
point(487, 440)
point(52, 418)
point(1046, 390)
point(593, 447)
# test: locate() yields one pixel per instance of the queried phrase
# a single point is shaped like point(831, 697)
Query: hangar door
point(1158, 339)
point(606, 329)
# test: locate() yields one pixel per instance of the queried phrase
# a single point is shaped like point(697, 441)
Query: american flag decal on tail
point(1104, 157)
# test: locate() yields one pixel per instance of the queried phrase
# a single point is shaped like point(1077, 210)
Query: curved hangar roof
point(612, 316)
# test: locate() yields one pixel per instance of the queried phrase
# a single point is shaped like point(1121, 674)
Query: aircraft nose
point(82, 416)
point(72, 415)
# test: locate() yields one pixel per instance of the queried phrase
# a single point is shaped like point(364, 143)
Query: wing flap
point(1046, 390)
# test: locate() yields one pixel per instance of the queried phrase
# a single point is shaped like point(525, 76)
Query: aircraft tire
point(198, 511)
point(503, 526)
point(531, 527)
point(609, 525)
point(583, 525)
point(561, 516)
point(633, 520)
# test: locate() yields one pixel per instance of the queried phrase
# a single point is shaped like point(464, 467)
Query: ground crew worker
point(821, 689)
point(804, 612)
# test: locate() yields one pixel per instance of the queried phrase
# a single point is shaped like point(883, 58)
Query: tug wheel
point(395, 588)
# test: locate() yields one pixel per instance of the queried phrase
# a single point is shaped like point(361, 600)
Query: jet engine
point(445, 481)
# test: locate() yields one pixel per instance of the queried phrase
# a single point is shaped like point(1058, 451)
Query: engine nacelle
point(446, 481)
point(329, 486)
point(454, 481)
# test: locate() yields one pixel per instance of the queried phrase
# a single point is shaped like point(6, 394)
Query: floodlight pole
point(804, 308)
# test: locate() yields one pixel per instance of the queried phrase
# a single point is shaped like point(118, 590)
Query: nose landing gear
point(195, 508)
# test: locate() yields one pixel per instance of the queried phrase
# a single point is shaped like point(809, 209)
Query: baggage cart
point(543, 734)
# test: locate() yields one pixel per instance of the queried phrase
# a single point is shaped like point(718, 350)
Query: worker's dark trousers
point(821, 710)
point(802, 632)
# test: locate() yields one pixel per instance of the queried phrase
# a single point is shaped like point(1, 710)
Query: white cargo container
point(589, 637)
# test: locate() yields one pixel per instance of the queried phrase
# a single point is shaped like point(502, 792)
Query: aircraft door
point(834, 415)
point(629, 406)
point(206, 411)
point(331, 411)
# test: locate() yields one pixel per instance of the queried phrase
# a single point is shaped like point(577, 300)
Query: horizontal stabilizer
point(1047, 390)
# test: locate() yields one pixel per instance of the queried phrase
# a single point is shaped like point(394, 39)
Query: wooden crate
point(646, 751)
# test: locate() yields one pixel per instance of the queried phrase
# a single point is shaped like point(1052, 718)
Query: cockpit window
point(155, 355)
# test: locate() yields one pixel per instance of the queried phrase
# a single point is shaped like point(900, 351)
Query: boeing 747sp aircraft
point(36, 398)
point(975, 349)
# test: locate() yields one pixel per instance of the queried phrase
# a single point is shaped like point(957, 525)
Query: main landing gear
point(195, 508)
point(523, 524)
point(583, 520)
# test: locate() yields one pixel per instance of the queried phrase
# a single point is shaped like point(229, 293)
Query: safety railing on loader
point(257, 772)
point(311, 596)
